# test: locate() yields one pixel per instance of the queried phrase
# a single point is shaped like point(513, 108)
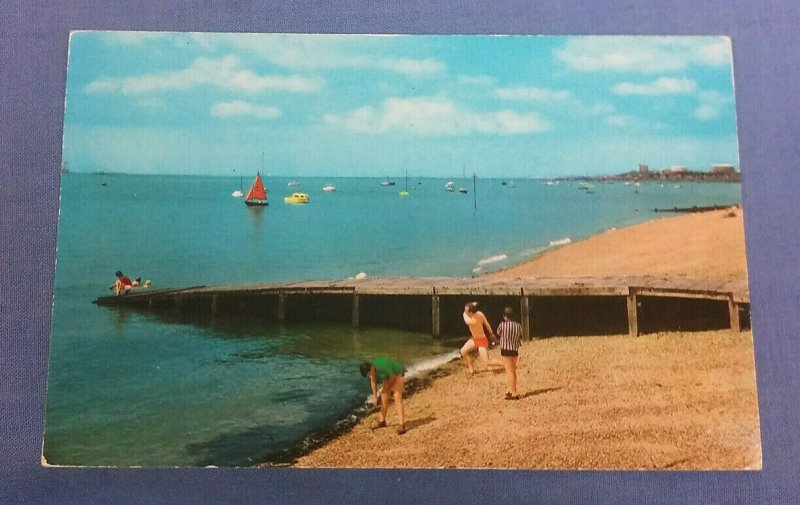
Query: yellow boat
point(296, 198)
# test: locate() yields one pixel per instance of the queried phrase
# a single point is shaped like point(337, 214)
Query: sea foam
point(492, 259)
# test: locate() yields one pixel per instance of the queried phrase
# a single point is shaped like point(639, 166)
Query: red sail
point(257, 191)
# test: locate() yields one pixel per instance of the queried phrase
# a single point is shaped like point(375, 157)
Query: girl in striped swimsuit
point(510, 333)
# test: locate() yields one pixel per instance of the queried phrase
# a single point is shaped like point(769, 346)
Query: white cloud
point(706, 112)
point(223, 73)
point(411, 67)
point(532, 94)
point(133, 38)
point(643, 54)
point(152, 103)
point(662, 86)
point(435, 116)
point(618, 120)
point(329, 52)
point(476, 80)
point(240, 108)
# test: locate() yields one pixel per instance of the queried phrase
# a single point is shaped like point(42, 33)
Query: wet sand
point(659, 401)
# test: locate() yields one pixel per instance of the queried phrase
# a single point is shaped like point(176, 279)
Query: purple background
point(33, 51)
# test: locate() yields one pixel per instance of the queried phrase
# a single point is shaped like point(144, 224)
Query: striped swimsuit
point(510, 333)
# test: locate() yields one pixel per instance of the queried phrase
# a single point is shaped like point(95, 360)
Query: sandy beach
point(659, 401)
point(705, 245)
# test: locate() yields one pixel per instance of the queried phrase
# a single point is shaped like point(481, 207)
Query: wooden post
point(633, 316)
point(356, 319)
point(436, 329)
point(214, 303)
point(281, 306)
point(733, 311)
point(525, 316)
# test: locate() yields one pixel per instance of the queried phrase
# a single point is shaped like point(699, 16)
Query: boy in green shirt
point(390, 373)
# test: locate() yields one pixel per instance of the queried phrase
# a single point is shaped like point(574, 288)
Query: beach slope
point(659, 401)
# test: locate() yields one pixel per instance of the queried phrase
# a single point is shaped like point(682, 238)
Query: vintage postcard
point(405, 251)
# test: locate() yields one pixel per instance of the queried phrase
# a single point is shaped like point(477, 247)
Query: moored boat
point(257, 196)
point(329, 188)
point(296, 198)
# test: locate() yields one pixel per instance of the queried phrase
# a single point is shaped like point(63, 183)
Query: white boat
point(329, 188)
point(450, 186)
point(462, 190)
point(293, 183)
point(237, 194)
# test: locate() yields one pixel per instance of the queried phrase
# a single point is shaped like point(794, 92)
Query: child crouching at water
point(390, 373)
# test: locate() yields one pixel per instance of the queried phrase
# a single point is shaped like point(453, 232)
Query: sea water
point(128, 388)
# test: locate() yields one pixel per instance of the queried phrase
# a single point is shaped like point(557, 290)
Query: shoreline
point(326, 435)
point(354, 446)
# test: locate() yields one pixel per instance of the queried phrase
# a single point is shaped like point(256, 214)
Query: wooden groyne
point(695, 208)
point(544, 306)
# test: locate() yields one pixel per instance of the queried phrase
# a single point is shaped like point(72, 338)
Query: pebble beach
point(677, 400)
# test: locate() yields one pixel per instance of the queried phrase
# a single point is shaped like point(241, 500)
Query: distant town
point(721, 172)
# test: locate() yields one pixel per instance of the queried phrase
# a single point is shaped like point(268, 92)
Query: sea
point(129, 389)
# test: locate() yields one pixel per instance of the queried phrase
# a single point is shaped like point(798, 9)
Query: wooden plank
point(577, 291)
point(733, 310)
point(525, 316)
point(675, 293)
point(435, 315)
point(281, 313)
point(633, 316)
point(356, 318)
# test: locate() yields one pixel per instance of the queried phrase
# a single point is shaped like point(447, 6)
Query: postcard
point(401, 251)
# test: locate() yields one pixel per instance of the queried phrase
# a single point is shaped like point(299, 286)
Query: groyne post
point(525, 315)
point(281, 309)
point(733, 311)
point(356, 316)
point(633, 317)
point(435, 315)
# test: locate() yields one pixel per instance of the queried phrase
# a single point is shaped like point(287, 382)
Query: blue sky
point(367, 105)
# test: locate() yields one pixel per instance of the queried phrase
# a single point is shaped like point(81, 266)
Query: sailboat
point(387, 182)
point(405, 191)
point(462, 189)
point(450, 186)
point(257, 196)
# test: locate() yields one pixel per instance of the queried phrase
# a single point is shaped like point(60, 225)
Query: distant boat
point(462, 190)
point(450, 186)
point(329, 188)
point(257, 196)
point(238, 193)
point(387, 182)
point(296, 198)
point(586, 186)
point(293, 183)
point(405, 191)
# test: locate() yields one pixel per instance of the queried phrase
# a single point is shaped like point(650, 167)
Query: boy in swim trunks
point(476, 322)
point(390, 373)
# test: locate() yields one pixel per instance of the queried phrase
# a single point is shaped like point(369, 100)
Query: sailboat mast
point(474, 193)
